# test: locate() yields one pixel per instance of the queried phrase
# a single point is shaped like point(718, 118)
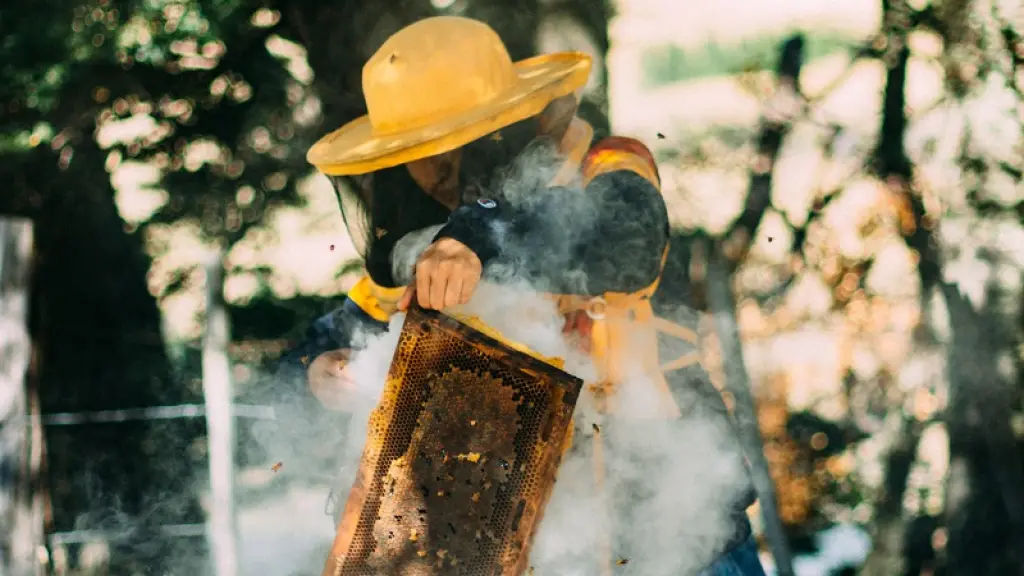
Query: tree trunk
point(723, 257)
point(984, 508)
point(100, 347)
point(889, 552)
point(220, 423)
point(722, 306)
point(984, 513)
point(339, 38)
point(21, 520)
point(890, 163)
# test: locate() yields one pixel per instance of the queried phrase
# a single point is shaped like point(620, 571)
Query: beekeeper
point(449, 115)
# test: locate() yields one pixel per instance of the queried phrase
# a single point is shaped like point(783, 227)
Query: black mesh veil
point(355, 195)
point(381, 207)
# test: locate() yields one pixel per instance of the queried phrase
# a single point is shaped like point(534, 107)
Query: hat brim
point(354, 149)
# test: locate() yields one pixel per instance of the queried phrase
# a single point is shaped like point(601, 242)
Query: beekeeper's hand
point(330, 379)
point(446, 275)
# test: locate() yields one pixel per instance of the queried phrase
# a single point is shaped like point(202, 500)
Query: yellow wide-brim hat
point(440, 84)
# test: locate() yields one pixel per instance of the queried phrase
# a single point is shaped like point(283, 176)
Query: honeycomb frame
point(460, 459)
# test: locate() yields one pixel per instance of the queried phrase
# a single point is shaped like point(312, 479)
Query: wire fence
point(175, 412)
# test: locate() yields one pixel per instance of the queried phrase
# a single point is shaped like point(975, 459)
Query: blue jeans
point(740, 561)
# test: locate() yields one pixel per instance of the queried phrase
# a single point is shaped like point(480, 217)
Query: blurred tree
point(984, 512)
point(981, 58)
point(223, 98)
point(96, 328)
point(984, 492)
point(592, 18)
point(891, 163)
point(227, 109)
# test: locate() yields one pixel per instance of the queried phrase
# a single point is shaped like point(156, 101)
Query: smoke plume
point(671, 486)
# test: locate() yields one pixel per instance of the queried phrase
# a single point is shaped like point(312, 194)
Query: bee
point(597, 429)
point(622, 561)
point(277, 467)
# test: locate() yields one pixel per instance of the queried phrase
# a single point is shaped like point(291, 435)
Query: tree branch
point(769, 143)
point(737, 381)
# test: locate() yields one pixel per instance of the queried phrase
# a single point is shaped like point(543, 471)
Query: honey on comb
point(461, 455)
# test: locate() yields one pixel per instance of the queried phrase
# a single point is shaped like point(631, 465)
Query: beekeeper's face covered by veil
point(383, 207)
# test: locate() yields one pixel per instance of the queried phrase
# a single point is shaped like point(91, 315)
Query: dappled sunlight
point(852, 304)
point(305, 249)
point(799, 170)
point(873, 245)
point(926, 484)
point(713, 196)
point(137, 192)
point(680, 109)
point(178, 254)
point(855, 220)
point(292, 53)
point(696, 23)
point(296, 251)
point(132, 128)
point(894, 273)
point(241, 287)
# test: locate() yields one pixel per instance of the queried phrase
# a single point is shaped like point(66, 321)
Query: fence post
point(220, 423)
point(21, 520)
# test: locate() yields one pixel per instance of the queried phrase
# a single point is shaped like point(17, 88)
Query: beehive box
point(460, 459)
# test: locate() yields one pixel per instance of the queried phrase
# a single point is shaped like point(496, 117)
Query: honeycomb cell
point(460, 459)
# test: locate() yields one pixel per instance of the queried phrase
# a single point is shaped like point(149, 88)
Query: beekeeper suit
point(421, 180)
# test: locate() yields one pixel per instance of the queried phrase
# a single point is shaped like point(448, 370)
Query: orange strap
point(619, 153)
point(623, 332)
point(378, 302)
point(600, 485)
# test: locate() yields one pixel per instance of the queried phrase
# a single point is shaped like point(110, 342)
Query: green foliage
point(201, 70)
point(207, 91)
point(210, 81)
point(668, 64)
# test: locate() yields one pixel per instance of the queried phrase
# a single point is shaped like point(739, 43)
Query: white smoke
point(369, 368)
point(670, 490)
point(671, 486)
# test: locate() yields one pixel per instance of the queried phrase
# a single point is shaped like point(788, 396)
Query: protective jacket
point(593, 233)
point(602, 273)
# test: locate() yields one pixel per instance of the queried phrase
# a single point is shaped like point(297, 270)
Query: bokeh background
point(853, 166)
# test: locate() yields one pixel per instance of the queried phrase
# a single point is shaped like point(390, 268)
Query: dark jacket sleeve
point(606, 237)
point(304, 433)
point(346, 327)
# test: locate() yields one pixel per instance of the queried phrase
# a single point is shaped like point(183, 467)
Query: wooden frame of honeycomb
point(460, 459)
